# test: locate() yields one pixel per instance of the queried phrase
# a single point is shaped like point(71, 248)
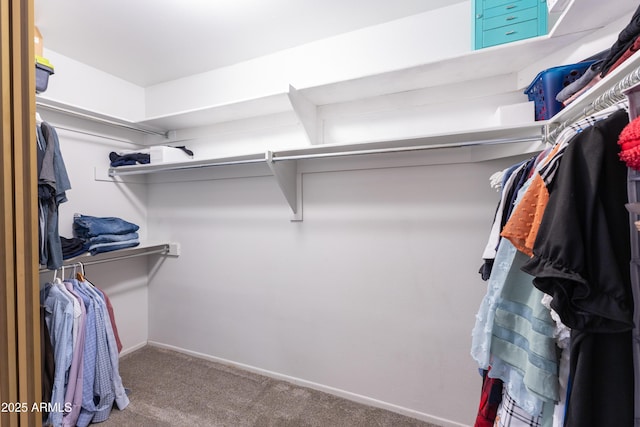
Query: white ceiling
point(152, 41)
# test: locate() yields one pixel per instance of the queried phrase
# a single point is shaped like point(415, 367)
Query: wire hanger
point(57, 280)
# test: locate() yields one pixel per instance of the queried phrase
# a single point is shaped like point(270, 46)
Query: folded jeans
point(85, 226)
point(108, 247)
point(110, 238)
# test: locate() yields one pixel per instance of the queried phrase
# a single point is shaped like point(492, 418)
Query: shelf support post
point(307, 113)
point(290, 183)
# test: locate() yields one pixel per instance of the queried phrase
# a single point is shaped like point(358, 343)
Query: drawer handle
point(511, 6)
point(511, 18)
point(508, 33)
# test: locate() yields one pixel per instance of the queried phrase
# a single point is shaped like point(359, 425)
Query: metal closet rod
point(405, 149)
point(101, 120)
point(277, 158)
point(162, 250)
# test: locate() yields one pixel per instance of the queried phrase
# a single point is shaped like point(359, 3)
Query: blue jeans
point(108, 247)
point(111, 238)
point(85, 226)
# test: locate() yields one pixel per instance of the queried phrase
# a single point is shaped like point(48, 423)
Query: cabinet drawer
point(488, 4)
point(510, 7)
point(510, 18)
point(510, 33)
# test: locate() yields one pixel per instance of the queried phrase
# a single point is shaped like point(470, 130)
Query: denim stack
point(105, 234)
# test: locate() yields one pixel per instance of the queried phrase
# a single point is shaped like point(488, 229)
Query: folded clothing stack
point(129, 158)
point(143, 156)
point(73, 247)
point(627, 44)
point(105, 234)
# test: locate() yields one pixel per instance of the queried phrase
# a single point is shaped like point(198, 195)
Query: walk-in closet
point(327, 213)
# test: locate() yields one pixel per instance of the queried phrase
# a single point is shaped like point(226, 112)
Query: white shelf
point(120, 254)
point(496, 135)
point(470, 67)
point(242, 109)
point(473, 65)
point(572, 25)
point(284, 167)
point(48, 104)
point(187, 164)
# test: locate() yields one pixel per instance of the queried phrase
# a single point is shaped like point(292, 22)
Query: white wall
point(373, 295)
point(76, 84)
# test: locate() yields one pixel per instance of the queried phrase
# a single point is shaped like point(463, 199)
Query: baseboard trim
point(316, 386)
point(128, 350)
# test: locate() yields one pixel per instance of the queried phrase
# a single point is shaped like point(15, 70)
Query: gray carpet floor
point(173, 389)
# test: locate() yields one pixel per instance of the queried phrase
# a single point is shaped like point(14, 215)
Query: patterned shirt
point(89, 359)
point(121, 398)
point(59, 320)
point(73, 395)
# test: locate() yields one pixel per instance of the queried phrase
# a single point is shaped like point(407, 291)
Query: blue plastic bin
point(43, 70)
point(548, 83)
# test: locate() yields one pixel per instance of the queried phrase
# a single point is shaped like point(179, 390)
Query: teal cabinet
point(499, 21)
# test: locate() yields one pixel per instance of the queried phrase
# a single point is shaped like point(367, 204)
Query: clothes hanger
point(56, 279)
point(38, 119)
point(80, 275)
point(74, 274)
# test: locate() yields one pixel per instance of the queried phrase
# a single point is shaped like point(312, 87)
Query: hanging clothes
point(581, 254)
point(47, 361)
point(73, 393)
point(514, 335)
point(86, 381)
point(513, 309)
point(59, 318)
point(53, 183)
point(510, 179)
point(581, 258)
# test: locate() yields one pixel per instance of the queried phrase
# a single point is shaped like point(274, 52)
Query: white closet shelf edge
point(171, 249)
point(489, 136)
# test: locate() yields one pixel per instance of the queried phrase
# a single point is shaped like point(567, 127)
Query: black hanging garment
point(581, 258)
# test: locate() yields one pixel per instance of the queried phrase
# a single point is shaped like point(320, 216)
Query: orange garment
point(522, 226)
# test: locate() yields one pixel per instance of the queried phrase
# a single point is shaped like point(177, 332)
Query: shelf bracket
point(307, 113)
point(290, 183)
